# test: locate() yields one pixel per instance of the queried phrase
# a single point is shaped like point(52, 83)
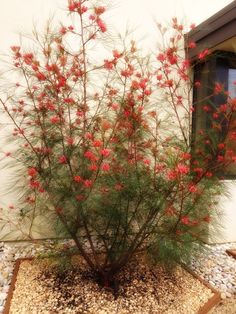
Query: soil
point(46, 287)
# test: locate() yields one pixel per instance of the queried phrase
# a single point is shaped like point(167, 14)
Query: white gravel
point(217, 267)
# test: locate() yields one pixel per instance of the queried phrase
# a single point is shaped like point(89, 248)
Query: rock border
point(231, 252)
point(212, 302)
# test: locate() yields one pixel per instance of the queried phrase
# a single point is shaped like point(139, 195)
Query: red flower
point(61, 82)
point(108, 65)
point(105, 167)
point(192, 45)
point(182, 169)
point(28, 58)
point(192, 188)
point(172, 59)
point(40, 76)
point(197, 84)
point(82, 9)
point(127, 113)
point(105, 152)
point(116, 54)
point(97, 143)
point(71, 6)
point(93, 167)
point(63, 30)
point(199, 171)
point(161, 57)
point(186, 156)
point(70, 141)
point(143, 83)
point(135, 85)
point(115, 106)
point(32, 172)
point(75, 6)
point(171, 175)
point(88, 183)
point(220, 158)
point(88, 136)
point(15, 48)
point(34, 184)
point(221, 146)
point(202, 55)
point(233, 136)
point(223, 108)
point(207, 218)
point(147, 92)
point(101, 25)
point(55, 119)
point(125, 73)
point(206, 108)
point(92, 17)
point(105, 125)
point(169, 83)
point(185, 220)
point(146, 162)
point(90, 155)
point(34, 67)
point(77, 179)
point(99, 10)
point(218, 88)
point(62, 159)
point(69, 100)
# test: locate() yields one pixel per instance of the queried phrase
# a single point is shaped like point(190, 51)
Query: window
point(219, 67)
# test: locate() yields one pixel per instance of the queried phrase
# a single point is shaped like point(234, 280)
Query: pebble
point(216, 267)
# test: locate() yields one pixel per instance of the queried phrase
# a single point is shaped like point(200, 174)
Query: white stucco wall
point(17, 16)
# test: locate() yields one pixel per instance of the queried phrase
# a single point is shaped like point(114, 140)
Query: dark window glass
point(220, 67)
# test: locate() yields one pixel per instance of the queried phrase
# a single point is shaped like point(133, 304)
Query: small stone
point(223, 295)
point(228, 295)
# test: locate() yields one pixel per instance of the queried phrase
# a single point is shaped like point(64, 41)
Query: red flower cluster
point(76, 6)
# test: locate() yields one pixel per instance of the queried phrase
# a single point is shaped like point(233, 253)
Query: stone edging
point(12, 285)
point(213, 301)
point(232, 253)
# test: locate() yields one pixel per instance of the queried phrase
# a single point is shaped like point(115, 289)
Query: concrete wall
point(18, 16)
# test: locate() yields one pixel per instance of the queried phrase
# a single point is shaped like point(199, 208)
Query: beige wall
point(17, 16)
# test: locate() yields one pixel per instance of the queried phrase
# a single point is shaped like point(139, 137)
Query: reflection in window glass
point(232, 83)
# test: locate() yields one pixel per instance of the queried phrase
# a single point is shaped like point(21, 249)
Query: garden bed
point(36, 289)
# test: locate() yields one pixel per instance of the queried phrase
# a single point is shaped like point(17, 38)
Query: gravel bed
point(142, 290)
point(217, 267)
